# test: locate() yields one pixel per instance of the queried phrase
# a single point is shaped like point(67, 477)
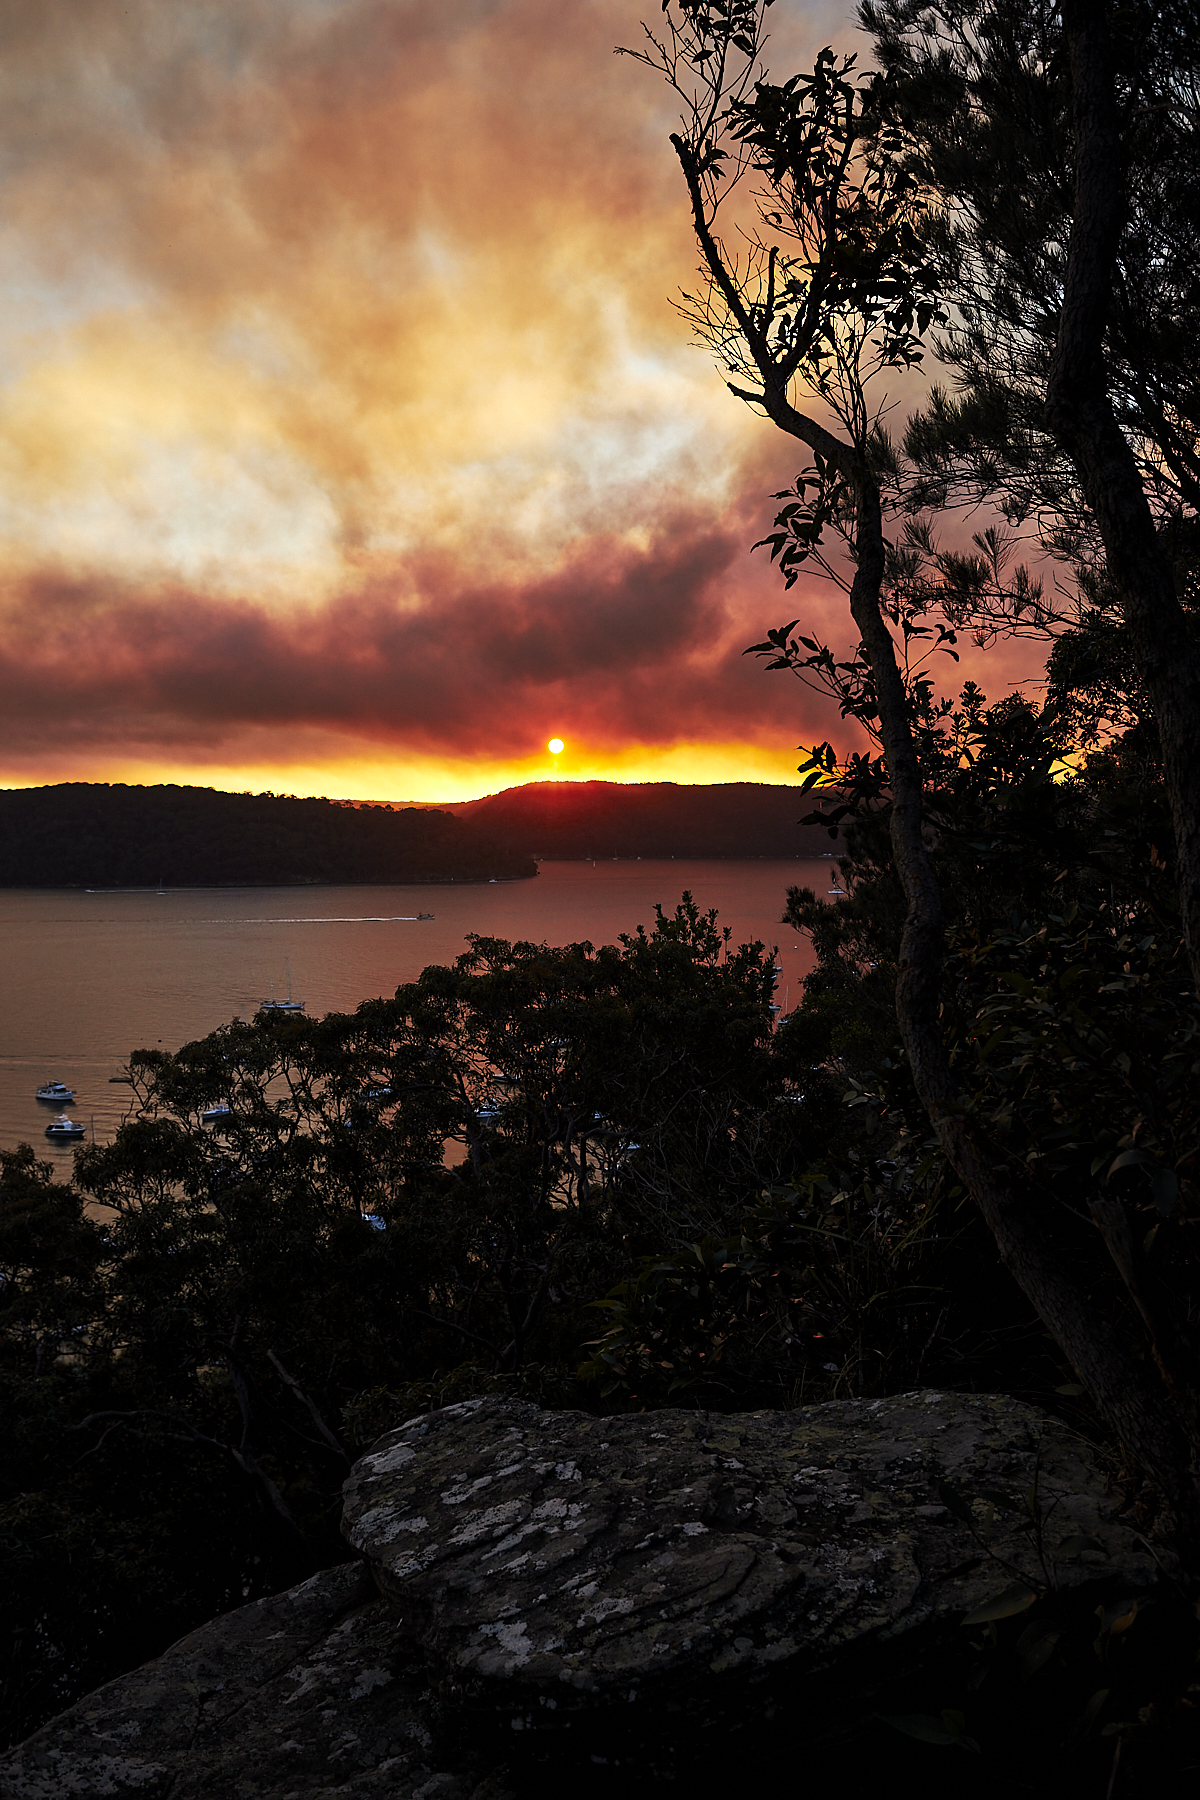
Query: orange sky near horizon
point(349, 443)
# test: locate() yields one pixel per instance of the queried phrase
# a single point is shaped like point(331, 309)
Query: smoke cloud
point(344, 418)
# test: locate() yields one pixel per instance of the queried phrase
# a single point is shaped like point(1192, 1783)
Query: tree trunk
point(1132, 1403)
point(1080, 416)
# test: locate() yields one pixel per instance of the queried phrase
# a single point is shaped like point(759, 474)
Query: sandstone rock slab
point(554, 1564)
point(605, 1602)
point(310, 1695)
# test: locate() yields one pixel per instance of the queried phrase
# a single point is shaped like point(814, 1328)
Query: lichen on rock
point(553, 1564)
point(311, 1694)
point(673, 1593)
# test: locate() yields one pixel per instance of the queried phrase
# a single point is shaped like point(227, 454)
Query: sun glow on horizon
point(345, 442)
point(428, 780)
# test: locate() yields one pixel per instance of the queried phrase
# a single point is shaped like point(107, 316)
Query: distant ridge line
point(574, 820)
point(108, 836)
point(121, 836)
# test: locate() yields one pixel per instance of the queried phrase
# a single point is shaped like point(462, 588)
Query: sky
point(349, 442)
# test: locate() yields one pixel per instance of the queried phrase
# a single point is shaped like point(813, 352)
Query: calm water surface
point(86, 978)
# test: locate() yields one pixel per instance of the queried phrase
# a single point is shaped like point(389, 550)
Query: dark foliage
point(982, 90)
point(407, 1204)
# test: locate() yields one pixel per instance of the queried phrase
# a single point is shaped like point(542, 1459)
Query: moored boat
point(56, 1093)
point(282, 1006)
point(213, 1115)
point(63, 1128)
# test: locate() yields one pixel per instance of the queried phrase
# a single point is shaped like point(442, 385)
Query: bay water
point(85, 978)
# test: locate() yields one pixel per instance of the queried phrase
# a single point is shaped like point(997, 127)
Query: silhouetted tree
point(829, 284)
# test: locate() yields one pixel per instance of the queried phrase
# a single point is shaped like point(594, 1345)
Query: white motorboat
point(62, 1129)
point(56, 1093)
point(213, 1115)
point(282, 1006)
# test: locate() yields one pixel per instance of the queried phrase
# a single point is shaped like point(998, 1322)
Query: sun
point(556, 746)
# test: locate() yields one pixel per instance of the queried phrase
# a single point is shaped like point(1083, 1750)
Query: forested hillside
point(569, 819)
point(86, 834)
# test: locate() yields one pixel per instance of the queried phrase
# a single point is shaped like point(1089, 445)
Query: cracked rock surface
point(553, 1561)
point(603, 1600)
point(305, 1696)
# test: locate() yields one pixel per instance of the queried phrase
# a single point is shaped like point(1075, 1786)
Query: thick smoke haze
point(349, 442)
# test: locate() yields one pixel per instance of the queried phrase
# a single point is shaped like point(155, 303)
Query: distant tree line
point(572, 819)
point(86, 834)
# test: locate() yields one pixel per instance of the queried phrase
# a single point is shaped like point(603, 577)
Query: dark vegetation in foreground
point(601, 1179)
point(87, 834)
